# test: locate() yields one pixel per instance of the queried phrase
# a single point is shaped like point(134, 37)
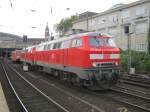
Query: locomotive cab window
point(77, 43)
point(98, 42)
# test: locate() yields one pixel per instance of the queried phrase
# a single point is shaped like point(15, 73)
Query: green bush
point(140, 61)
point(124, 61)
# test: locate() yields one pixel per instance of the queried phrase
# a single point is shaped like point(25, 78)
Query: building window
point(101, 20)
point(141, 47)
point(90, 22)
point(140, 11)
point(113, 18)
point(125, 14)
point(141, 28)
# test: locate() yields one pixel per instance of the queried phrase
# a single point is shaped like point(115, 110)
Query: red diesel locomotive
point(16, 55)
point(91, 59)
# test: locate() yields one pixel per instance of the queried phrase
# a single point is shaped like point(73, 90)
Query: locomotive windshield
point(98, 42)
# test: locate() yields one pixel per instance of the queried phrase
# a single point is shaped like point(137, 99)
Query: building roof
point(8, 37)
point(86, 14)
point(118, 8)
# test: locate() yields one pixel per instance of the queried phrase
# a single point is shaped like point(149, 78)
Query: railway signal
point(25, 66)
point(127, 32)
point(25, 38)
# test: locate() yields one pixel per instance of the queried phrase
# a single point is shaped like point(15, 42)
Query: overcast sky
point(26, 14)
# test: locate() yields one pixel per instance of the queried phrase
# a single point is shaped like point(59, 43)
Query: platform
point(3, 103)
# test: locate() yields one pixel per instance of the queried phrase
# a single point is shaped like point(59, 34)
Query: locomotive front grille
point(103, 64)
point(107, 64)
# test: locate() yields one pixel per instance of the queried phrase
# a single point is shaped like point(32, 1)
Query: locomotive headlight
point(94, 64)
point(116, 63)
point(114, 56)
point(96, 56)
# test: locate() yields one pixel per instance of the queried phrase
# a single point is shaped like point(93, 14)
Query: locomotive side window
point(55, 46)
point(58, 45)
point(42, 47)
point(73, 43)
point(65, 44)
point(77, 43)
point(45, 47)
point(49, 47)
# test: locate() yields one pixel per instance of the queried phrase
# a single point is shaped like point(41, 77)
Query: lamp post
point(148, 43)
point(87, 23)
point(127, 32)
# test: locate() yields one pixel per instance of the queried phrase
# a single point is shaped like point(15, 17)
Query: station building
point(10, 42)
point(112, 21)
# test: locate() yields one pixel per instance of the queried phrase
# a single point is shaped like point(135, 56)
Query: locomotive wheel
point(104, 84)
point(56, 73)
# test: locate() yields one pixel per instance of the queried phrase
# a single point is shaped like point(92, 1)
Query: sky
point(29, 17)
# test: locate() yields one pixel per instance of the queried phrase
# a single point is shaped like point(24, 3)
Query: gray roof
point(8, 37)
point(121, 7)
point(86, 14)
point(12, 37)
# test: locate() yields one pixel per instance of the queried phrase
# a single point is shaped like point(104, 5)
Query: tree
point(65, 24)
point(149, 41)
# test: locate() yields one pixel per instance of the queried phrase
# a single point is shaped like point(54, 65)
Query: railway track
point(116, 96)
point(145, 84)
point(142, 77)
point(136, 78)
point(123, 95)
point(83, 106)
point(30, 98)
point(130, 96)
point(12, 102)
point(126, 98)
point(134, 90)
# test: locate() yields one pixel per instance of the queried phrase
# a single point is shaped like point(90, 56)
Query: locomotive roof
point(70, 37)
point(92, 34)
point(77, 35)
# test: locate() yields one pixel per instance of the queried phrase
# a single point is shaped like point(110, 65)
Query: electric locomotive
point(91, 59)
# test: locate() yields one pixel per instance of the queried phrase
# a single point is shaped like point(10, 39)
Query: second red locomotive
point(16, 55)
